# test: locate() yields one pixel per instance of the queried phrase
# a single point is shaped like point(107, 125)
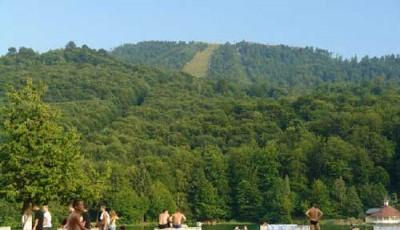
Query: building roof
point(387, 211)
point(372, 210)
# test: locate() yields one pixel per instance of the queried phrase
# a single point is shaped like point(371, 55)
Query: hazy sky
point(345, 27)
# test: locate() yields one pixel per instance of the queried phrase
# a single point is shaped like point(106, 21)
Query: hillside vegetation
point(171, 55)
point(200, 63)
point(278, 69)
point(267, 132)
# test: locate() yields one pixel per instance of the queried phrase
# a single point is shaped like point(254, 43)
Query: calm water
point(250, 227)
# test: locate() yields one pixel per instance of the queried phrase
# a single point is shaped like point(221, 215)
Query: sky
point(344, 27)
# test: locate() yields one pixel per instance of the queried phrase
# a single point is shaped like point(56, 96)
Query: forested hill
point(269, 66)
point(220, 150)
point(172, 55)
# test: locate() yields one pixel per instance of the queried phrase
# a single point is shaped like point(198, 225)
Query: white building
point(385, 215)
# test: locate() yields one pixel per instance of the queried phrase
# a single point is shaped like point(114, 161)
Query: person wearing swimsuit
point(163, 219)
point(314, 214)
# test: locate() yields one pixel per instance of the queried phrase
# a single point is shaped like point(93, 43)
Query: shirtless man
point(74, 220)
point(177, 219)
point(163, 219)
point(314, 215)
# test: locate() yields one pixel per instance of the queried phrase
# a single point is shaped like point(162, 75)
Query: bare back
point(178, 218)
point(74, 222)
point(163, 218)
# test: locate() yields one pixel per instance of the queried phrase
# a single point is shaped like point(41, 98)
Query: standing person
point(314, 214)
point(70, 210)
point(39, 217)
point(113, 220)
point(163, 219)
point(74, 221)
point(177, 219)
point(104, 218)
point(86, 219)
point(47, 218)
point(264, 225)
point(27, 218)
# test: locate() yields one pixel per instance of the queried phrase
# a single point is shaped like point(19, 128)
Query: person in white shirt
point(104, 218)
point(113, 220)
point(47, 218)
point(27, 219)
point(264, 225)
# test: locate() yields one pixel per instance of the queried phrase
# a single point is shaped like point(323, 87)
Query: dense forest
point(171, 55)
point(269, 131)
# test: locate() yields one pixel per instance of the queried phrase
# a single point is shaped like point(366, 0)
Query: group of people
point(107, 221)
point(176, 220)
point(167, 221)
point(37, 218)
point(79, 218)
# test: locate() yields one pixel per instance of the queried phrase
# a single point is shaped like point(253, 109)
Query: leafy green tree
point(40, 160)
point(206, 203)
point(160, 199)
point(216, 172)
point(281, 206)
point(339, 196)
point(70, 45)
point(352, 203)
point(142, 180)
point(129, 205)
point(267, 166)
point(320, 196)
point(26, 54)
point(372, 195)
point(10, 213)
point(12, 51)
point(249, 201)
point(336, 155)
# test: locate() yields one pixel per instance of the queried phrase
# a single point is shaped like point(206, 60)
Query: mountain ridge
point(247, 63)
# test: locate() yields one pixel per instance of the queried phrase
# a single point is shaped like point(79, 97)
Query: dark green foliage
point(274, 71)
point(205, 201)
point(339, 196)
point(10, 214)
point(226, 64)
point(319, 195)
point(352, 203)
point(249, 201)
point(160, 199)
point(266, 70)
point(271, 130)
point(172, 55)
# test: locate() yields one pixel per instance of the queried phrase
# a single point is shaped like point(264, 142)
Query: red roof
point(387, 211)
